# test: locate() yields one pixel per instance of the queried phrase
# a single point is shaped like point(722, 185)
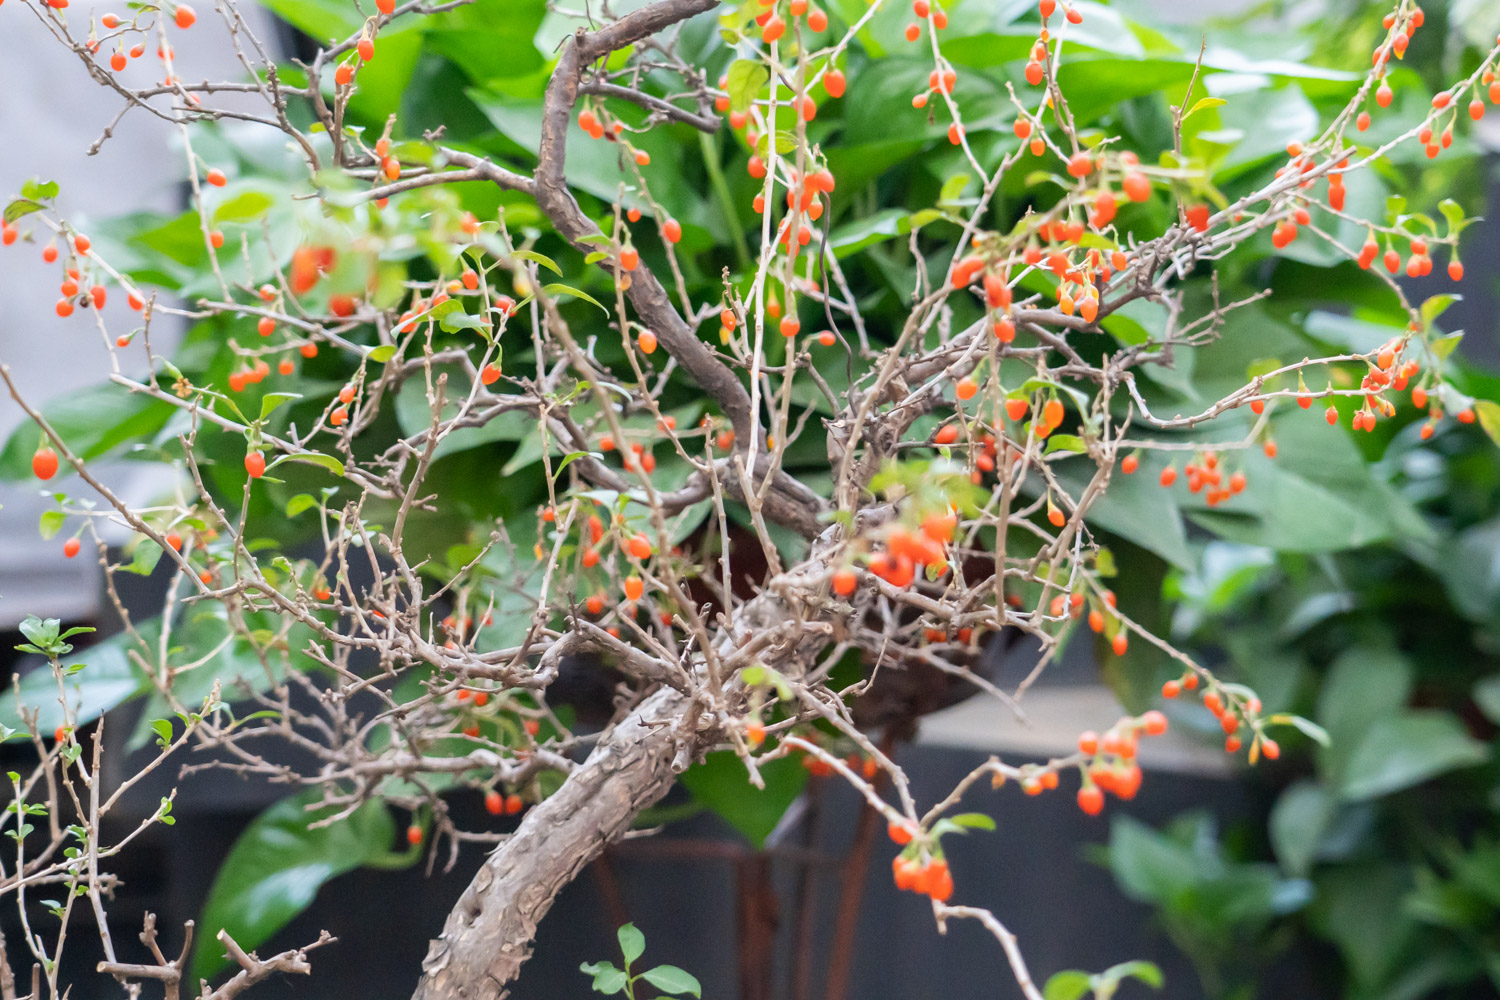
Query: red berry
point(414, 834)
point(44, 463)
point(71, 547)
point(255, 464)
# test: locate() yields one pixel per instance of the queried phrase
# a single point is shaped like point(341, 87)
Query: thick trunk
point(488, 935)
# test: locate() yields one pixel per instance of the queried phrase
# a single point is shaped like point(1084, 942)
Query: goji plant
point(758, 351)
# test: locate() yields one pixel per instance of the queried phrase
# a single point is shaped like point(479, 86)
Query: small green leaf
point(1435, 307)
point(21, 207)
point(271, 401)
point(1065, 442)
point(51, 523)
point(243, 207)
point(300, 503)
point(607, 978)
point(632, 943)
point(385, 352)
point(671, 979)
point(974, 821)
point(147, 555)
point(163, 729)
point(1203, 104)
point(746, 78)
point(328, 462)
point(537, 258)
point(1489, 418)
point(37, 189)
point(456, 321)
point(561, 289)
point(1453, 212)
point(953, 188)
point(1310, 729)
point(1106, 982)
point(1068, 985)
point(1441, 347)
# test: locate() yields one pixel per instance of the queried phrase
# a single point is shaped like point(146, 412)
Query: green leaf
point(277, 866)
point(1441, 347)
point(746, 78)
point(1454, 213)
point(1070, 984)
point(1203, 104)
point(1065, 442)
point(328, 462)
point(1106, 982)
point(1489, 417)
point(671, 979)
point(721, 784)
point(1299, 820)
point(953, 188)
point(1405, 750)
point(1310, 729)
point(556, 289)
point(385, 352)
point(607, 978)
point(37, 189)
point(110, 679)
point(93, 421)
point(1435, 306)
point(271, 401)
point(632, 943)
point(300, 503)
point(52, 522)
point(456, 321)
point(163, 730)
point(147, 555)
point(537, 258)
point(243, 207)
point(974, 821)
point(20, 208)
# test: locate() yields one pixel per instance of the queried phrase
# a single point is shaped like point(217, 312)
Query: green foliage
point(278, 864)
point(1388, 648)
point(609, 979)
point(1289, 567)
point(719, 783)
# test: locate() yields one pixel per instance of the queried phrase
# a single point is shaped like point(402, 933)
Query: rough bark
point(488, 935)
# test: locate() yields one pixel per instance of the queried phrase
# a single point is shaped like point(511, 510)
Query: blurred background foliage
point(1357, 581)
